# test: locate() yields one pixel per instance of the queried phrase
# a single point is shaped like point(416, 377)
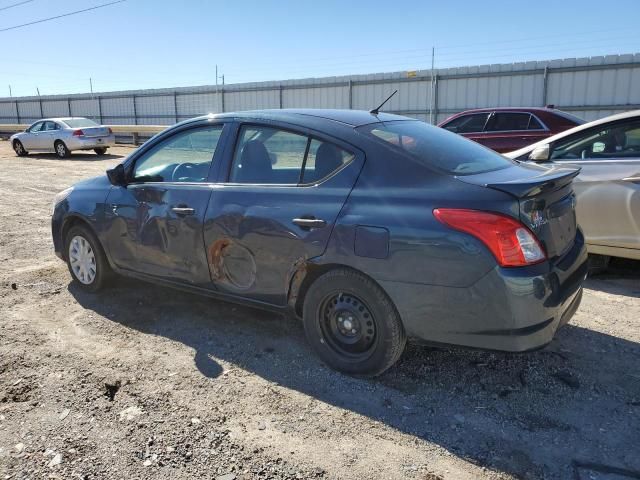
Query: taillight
point(511, 242)
point(78, 133)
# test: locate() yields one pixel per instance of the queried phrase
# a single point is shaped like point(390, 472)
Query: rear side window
point(472, 123)
point(504, 122)
point(50, 126)
point(435, 147)
point(270, 156)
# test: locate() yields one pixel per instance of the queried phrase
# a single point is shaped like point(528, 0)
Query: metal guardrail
point(135, 131)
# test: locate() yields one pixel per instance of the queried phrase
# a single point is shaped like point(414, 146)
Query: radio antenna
point(377, 109)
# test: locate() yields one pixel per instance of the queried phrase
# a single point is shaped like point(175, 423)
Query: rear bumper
point(89, 143)
point(510, 309)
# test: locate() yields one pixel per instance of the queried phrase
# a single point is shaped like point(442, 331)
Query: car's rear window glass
point(437, 147)
point(80, 123)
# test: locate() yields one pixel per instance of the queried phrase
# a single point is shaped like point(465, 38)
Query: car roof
point(58, 119)
point(571, 131)
point(303, 116)
point(510, 109)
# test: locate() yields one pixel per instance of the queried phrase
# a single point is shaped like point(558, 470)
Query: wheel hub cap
point(82, 260)
point(348, 325)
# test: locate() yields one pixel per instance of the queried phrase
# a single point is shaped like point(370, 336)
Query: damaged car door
point(275, 208)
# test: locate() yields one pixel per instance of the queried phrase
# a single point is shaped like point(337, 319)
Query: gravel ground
point(146, 382)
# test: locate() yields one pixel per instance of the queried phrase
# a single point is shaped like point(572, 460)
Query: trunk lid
point(95, 131)
point(545, 197)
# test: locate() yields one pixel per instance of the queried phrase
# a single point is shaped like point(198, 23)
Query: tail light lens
point(511, 242)
point(78, 133)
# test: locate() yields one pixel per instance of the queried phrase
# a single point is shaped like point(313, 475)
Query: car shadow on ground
point(75, 156)
point(540, 414)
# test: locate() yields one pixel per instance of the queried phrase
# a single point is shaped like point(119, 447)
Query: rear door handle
point(183, 210)
point(309, 222)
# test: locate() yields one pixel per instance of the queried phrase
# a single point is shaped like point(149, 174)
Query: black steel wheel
point(347, 324)
point(352, 324)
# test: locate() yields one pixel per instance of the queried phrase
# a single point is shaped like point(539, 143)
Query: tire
point(100, 150)
point(598, 264)
point(19, 148)
point(79, 238)
point(352, 324)
point(61, 149)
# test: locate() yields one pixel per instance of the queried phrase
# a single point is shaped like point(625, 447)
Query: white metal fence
point(589, 87)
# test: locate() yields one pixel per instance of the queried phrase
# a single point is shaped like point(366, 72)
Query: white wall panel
point(55, 108)
point(610, 85)
point(251, 100)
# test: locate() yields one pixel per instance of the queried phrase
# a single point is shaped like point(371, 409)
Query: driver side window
point(621, 140)
point(183, 157)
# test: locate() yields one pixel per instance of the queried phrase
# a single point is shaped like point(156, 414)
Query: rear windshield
point(437, 147)
point(80, 123)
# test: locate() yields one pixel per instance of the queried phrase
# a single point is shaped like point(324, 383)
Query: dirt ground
point(146, 382)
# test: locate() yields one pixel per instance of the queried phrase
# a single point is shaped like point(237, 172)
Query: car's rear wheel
point(86, 259)
point(100, 150)
point(19, 148)
point(352, 324)
point(61, 149)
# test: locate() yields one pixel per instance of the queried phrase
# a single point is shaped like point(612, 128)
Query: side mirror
point(540, 154)
point(117, 176)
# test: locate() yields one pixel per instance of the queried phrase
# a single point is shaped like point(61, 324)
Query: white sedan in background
point(62, 136)
point(608, 187)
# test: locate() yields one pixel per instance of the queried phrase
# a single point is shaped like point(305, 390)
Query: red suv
point(508, 129)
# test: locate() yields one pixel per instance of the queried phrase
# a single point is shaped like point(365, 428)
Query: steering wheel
point(183, 170)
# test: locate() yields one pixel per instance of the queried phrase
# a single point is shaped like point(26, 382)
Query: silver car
point(608, 187)
point(62, 136)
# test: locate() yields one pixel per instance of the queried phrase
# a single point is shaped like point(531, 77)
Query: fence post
point(280, 96)
point(435, 99)
point(135, 110)
point(69, 106)
point(175, 105)
point(100, 108)
point(222, 98)
point(18, 112)
point(350, 94)
point(41, 111)
point(545, 85)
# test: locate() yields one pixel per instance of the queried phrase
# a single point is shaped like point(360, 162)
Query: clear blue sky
point(161, 43)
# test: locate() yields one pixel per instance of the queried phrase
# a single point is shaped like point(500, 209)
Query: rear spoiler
point(524, 180)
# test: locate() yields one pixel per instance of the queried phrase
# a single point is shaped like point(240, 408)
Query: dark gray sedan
point(373, 228)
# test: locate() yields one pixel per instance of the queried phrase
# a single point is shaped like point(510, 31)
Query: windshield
point(436, 147)
point(80, 123)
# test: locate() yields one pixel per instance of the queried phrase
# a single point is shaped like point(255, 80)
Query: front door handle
point(183, 210)
point(309, 222)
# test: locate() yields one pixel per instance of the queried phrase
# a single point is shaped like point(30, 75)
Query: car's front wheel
point(19, 148)
point(352, 324)
point(61, 149)
point(100, 150)
point(86, 259)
